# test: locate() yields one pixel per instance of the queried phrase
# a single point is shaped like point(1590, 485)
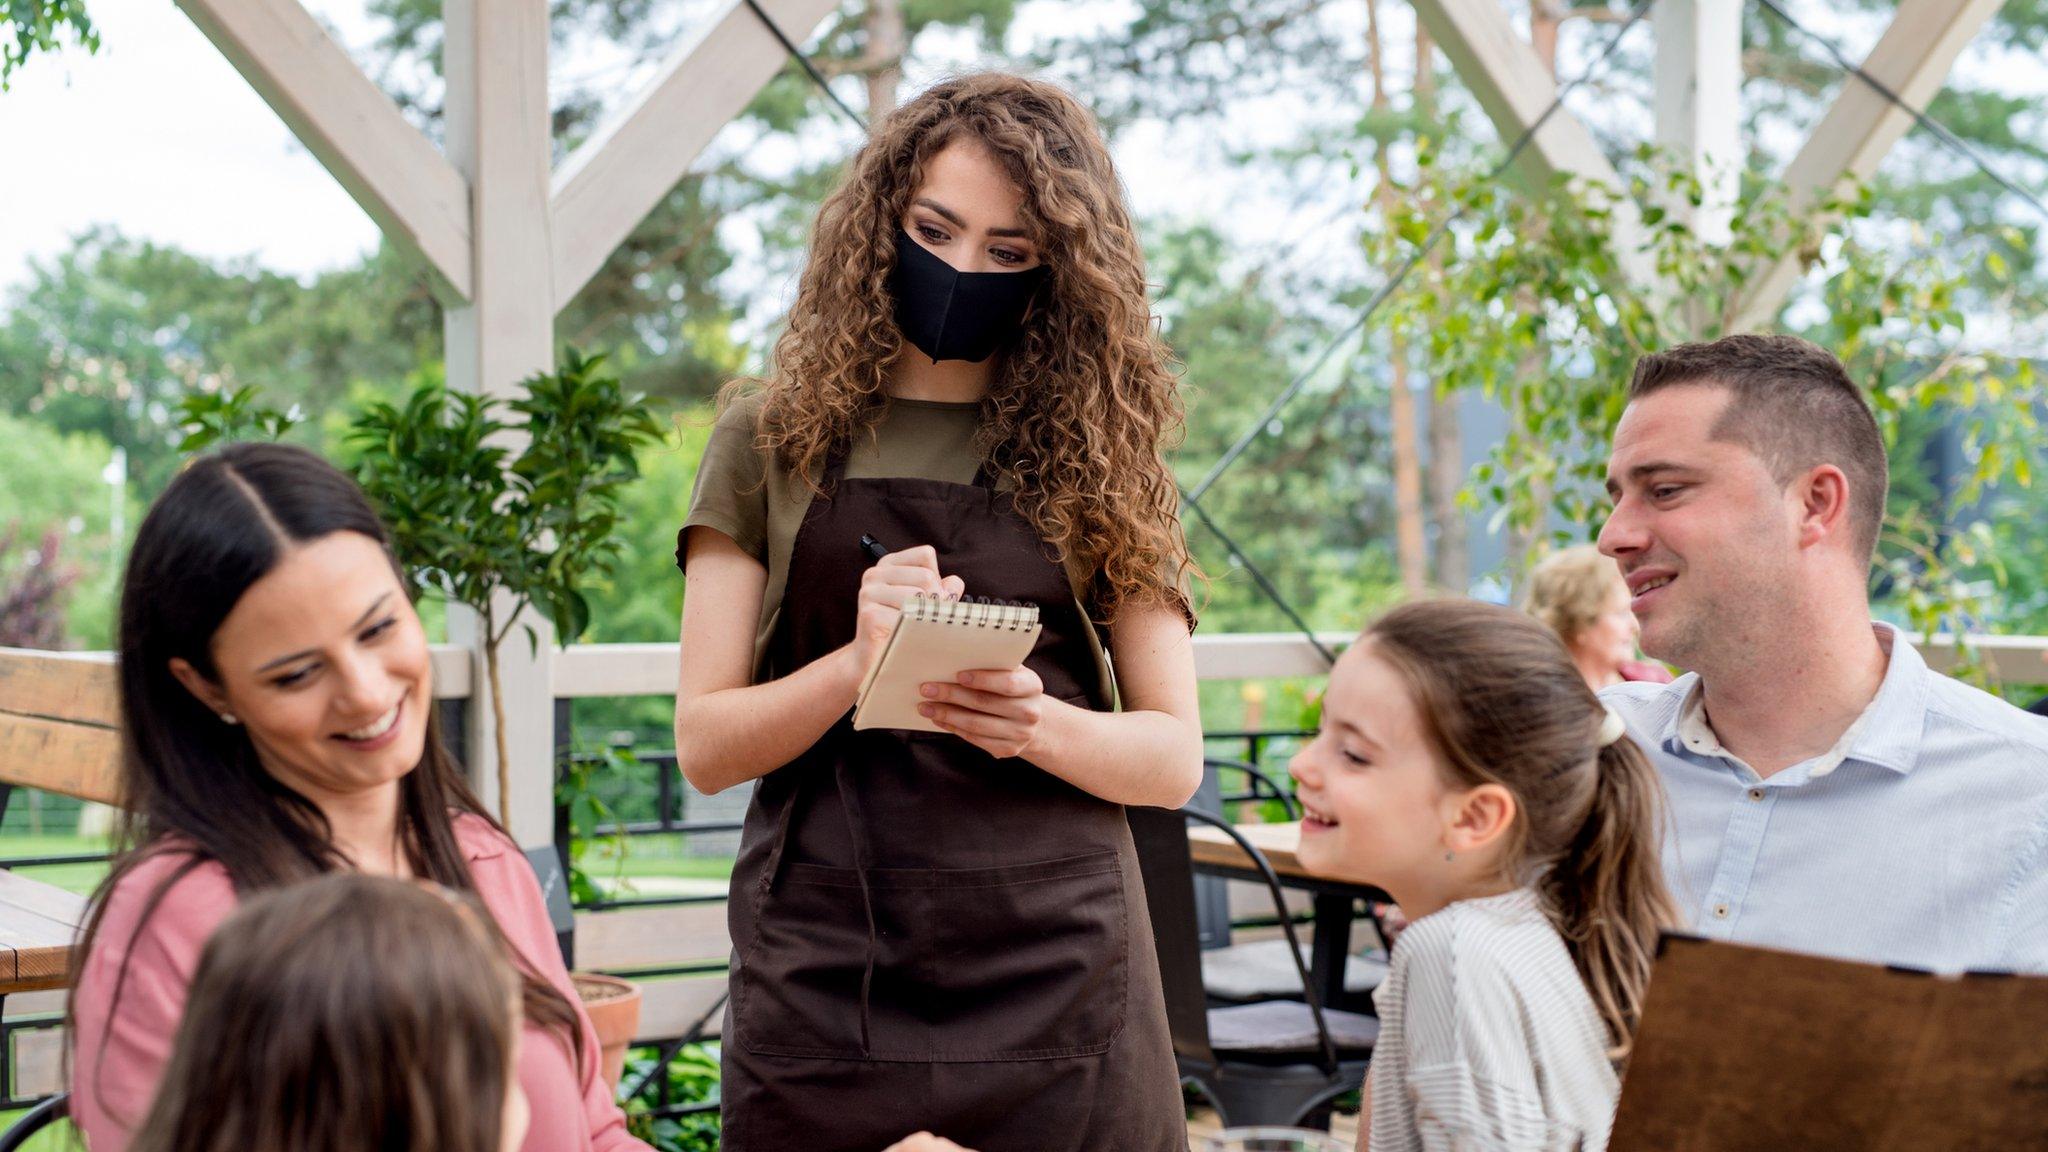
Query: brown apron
point(927, 937)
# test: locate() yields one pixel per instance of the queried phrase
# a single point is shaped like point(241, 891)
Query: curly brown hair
point(1079, 406)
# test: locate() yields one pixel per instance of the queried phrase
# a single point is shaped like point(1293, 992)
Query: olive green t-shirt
point(743, 494)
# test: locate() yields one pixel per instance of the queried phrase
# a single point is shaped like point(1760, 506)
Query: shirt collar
point(1886, 734)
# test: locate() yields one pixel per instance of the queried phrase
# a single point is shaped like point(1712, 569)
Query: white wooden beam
point(1699, 106)
point(495, 57)
point(1514, 88)
point(1913, 59)
point(413, 193)
point(635, 158)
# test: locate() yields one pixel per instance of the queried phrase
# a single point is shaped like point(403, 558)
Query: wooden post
point(1515, 88)
point(351, 127)
point(1698, 106)
point(498, 137)
point(1913, 59)
point(482, 221)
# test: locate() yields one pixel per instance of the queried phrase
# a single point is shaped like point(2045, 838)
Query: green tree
point(52, 481)
point(1529, 306)
point(108, 337)
point(31, 26)
point(1309, 506)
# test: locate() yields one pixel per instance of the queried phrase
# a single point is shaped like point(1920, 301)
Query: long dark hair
point(351, 1014)
point(1503, 703)
point(193, 785)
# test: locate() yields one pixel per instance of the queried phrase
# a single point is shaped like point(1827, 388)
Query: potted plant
point(472, 516)
point(480, 505)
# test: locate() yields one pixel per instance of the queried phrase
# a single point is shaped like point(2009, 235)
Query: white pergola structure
point(1698, 112)
point(508, 240)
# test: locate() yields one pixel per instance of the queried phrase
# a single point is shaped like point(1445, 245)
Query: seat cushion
point(1260, 970)
point(1286, 1026)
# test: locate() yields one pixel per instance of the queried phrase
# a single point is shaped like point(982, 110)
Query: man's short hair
point(1793, 406)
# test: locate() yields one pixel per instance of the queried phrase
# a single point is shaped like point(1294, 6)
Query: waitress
point(948, 931)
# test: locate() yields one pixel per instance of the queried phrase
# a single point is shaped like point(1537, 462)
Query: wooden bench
point(59, 731)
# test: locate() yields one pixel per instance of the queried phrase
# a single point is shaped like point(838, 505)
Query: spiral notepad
point(936, 640)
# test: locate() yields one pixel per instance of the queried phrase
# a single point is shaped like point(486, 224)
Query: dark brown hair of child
point(347, 1013)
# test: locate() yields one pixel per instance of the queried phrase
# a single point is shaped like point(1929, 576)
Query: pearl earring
point(228, 718)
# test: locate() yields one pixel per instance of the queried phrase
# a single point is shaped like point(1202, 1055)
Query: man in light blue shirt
point(1829, 793)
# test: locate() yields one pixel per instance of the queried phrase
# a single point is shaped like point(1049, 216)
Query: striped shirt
point(1489, 1041)
point(1920, 839)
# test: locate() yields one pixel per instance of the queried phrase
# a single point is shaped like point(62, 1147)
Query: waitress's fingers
point(925, 1142)
point(999, 735)
point(1019, 681)
point(953, 586)
point(1024, 709)
point(901, 576)
point(891, 595)
point(922, 556)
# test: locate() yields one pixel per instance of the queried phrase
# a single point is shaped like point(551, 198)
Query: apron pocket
point(1027, 961)
point(1018, 962)
point(798, 991)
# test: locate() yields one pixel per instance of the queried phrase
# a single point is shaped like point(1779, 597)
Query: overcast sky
point(158, 136)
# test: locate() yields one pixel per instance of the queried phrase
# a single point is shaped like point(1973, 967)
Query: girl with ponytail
point(1465, 767)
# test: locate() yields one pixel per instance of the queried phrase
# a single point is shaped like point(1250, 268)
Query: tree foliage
point(31, 26)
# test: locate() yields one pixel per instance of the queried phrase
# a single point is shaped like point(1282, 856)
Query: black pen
point(874, 548)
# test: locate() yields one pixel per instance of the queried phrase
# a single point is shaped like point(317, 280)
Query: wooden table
point(38, 926)
point(1334, 900)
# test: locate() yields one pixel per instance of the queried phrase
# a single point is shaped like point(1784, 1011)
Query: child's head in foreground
point(346, 1014)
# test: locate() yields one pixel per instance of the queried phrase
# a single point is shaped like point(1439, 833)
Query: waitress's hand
point(926, 1142)
point(998, 710)
point(886, 587)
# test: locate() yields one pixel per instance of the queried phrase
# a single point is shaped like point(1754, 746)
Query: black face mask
point(951, 315)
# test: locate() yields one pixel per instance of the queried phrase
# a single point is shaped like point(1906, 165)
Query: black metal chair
point(1212, 896)
point(1260, 970)
point(1261, 784)
point(1275, 1062)
point(55, 1110)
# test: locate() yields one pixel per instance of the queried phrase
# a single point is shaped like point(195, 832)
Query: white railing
point(593, 670)
point(587, 670)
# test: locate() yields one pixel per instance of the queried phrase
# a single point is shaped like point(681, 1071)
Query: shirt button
point(1720, 911)
point(1756, 794)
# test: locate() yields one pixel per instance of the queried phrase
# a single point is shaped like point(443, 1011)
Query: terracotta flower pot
point(614, 1007)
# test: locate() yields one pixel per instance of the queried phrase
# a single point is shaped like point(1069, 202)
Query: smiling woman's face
point(324, 661)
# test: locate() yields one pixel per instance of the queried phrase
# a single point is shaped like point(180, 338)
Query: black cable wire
point(1192, 497)
point(1429, 243)
point(809, 68)
point(1265, 584)
point(1941, 132)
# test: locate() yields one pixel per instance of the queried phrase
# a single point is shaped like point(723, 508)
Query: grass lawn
point(79, 878)
point(663, 856)
point(55, 1138)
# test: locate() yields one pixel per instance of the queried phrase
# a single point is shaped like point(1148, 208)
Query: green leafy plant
point(1526, 303)
point(210, 418)
point(589, 815)
point(692, 1077)
point(502, 515)
point(31, 26)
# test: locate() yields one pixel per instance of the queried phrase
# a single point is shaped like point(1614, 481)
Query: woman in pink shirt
point(277, 712)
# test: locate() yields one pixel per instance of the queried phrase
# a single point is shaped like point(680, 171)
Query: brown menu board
point(1752, 1050)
